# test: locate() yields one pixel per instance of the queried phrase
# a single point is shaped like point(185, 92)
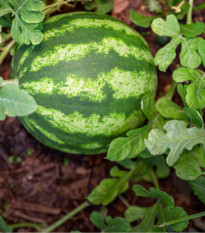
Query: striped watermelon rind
point(88, 77)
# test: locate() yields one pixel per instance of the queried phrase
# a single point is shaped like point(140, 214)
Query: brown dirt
point(41, 184)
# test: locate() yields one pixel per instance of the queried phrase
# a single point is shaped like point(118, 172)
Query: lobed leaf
point(201, 50)
point(188, 55)
point(15, 102)
point(198, 186)
point(177, 139)
point(117, 224)
point(170, 27)
point(154, 193)
point(195, 92)
point(175, 213)
point(167, 54)
point(169, 109)
point(188, 165)
point(27, 16)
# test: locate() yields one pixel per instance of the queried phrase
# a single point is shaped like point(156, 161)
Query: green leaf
point(195, 117)
point(104, 6)
point(141, 20)
point(147, 106)
point(4, 227)
point(128, 147)
point(117, 224)
point(97, 220)
point(109, 189)
point(27, 18)
point(154, 193)
point(182, 92)
point(167, 54)
point(134, 213)
point(188, 55)
point(170, 27)
point(201, 50)
point(15, 102)
point(195, 92)
point(175, 213)
point(153, 6)
point(198, 186)
point(199, 7)
point(184, 10)
point(188, 165)
point(90, 5)
point(169, 109)
point(193, 29)
point(177, 138)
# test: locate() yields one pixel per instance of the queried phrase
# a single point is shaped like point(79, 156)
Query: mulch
point(40, 185)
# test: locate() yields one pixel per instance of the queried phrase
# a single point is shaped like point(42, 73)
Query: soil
point(40, 185)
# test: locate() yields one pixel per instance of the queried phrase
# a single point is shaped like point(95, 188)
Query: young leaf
point(177, 139)
point(97, 220)
point(109, 189)
point(154, 193)
point(27, 17)
point(194, 116)
point(175, 213)
point(130, 146)
point(170, 27)
point(15, 102)
point(181, 89)
point(188, 165)
point(193, 29)
point(141, 20)
point(199, 7)
point(117, 224)
point(169, 109)
point(188, 55)
point(153, 6)
point(4, 227)
point(195, 96)
point(134, 213)
point(198, 186)
point(167, 54)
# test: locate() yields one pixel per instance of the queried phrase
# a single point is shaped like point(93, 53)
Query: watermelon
point(88, 77)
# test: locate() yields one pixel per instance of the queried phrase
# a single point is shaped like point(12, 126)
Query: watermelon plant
point(88, 82)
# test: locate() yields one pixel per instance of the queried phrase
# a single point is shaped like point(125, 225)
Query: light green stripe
point(112, 124)
point(71, 25)
point(124, 84)
point(45, 85)
point(73, 52)
point(92, 145)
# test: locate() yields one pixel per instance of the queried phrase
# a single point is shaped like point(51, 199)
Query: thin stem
point(189, 217)
point(67, 217)
point(170, 93)
point(53, 7)
point(27, 224)
point(189, 14)
point(6, 50)
point(125, 202)
point(103, 211)
point(155, 180)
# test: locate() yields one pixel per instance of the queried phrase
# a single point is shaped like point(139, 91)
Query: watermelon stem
point(6, 50)
point(68, 216)
point(189, 15)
